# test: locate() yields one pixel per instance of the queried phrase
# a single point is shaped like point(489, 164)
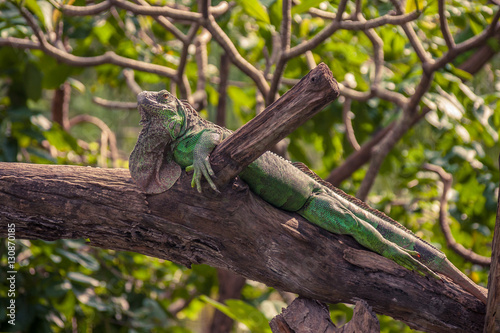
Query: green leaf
point(33, 6)
point(84, 259)
point(305, 5)
point(61, 139)
point(412, 5)
point(466, 76)
point(82, 278)
point(275, 13)
point(242, 312)
point(254, 9)
point(33, 81)
point(104, 32)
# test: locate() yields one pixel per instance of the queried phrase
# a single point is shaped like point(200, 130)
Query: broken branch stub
point(311, 94)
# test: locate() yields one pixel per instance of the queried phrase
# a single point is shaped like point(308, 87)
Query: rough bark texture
point(313, 92)
point(310, 316)
point(234, 230)
point(493, 307)
point(304, 316)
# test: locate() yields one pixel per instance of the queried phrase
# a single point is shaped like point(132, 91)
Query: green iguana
point(174, 136)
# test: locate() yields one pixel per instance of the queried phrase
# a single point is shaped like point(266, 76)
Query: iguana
point(174, 136)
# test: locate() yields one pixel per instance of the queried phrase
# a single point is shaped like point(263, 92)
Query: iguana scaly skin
point(174, 137)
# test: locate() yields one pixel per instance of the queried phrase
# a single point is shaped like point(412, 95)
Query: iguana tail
point(462, 280)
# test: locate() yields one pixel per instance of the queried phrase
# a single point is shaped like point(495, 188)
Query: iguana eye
point(164, 96)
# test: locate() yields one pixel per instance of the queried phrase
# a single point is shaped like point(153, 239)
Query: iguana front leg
point(201, 162)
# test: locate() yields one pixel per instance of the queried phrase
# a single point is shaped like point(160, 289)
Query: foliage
point(66, 284)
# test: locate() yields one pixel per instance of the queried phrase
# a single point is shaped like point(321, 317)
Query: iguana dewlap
point(174, 137)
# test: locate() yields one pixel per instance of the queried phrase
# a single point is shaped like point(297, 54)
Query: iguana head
point(161, 109)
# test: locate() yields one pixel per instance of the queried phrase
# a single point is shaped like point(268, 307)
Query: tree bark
point(310, 316)
point(234, 230)
point(493, 307)
point(60, 105)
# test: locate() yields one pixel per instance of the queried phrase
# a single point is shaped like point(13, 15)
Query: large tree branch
point(235, 230)
point(493, 307)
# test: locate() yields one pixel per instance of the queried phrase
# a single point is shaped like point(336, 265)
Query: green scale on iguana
point(174, 136)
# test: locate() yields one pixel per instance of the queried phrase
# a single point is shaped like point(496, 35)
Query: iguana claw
point(200, 169)
point(405, 258)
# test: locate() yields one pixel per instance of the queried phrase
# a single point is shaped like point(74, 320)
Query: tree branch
point(174, 13)
point(445, 29)
point(468, 44)
point(70, 59)
point(467, 254)
point(286, 24)
point(235, 230)
point(114, 104)
point(472, 65)
point(492, 308)
point(240, 62)
point(185, 90)
point(347, 116)
point(415, 42)
point(317, 89)
point(106, 135)
point(367, 24)
point(165, 23)
point(130, 80)
point(306, 315)
point(224, 78)
point(84, 10)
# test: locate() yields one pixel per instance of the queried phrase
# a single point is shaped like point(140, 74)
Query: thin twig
point(468, 44)
point(415, 42)
point(381, 150)
point(368, 24)
point(84, 11)
point(378, 52)
point(445, 29)
point(204, 5)
point(467, 254)
point(107, 58)
point(285, 47)
point(130, 80)
point(347, 116)
point(165, 23)
point(158, 11)
point(354, 94)
point(107, 135)
point(114, 104)
point(181, 78)
point(236, 58)
point(286, 24)
point(200, 95)
point(313, 42)
point(311, 63)
point(224, 78)
point(19, 43)
point(340, 10)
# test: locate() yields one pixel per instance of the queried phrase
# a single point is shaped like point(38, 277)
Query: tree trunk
point(493, 307)
point(234, 230)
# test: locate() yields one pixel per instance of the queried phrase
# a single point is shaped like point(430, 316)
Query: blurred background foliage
point(68, 286)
